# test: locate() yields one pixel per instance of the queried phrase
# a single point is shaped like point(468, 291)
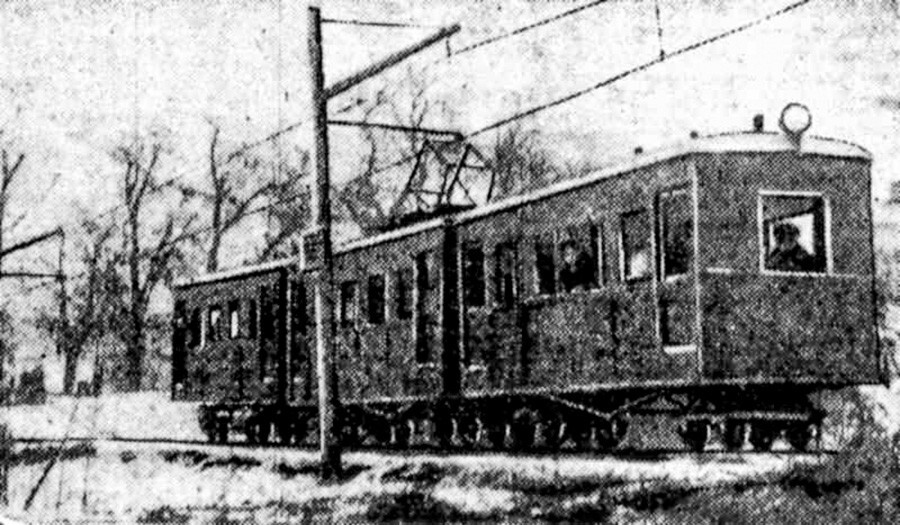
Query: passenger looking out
point(788, 255)
point(577, 273)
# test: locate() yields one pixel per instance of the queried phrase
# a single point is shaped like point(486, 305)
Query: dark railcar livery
point(724, 281)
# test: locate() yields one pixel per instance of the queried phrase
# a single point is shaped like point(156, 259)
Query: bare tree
point(93, 304)
point(152, 248)
point(289, 211)
point(237, 188)
point(520, 164)
point(10, 164)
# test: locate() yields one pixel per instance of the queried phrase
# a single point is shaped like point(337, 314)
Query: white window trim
point(829, 260)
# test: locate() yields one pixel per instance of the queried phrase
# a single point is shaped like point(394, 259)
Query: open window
point(375, 299)
point(349, 307)
point(636, 259)
point(214, 325)
point(544, 266)
point(234, 319)
point(676, 232)
point(195, 330)
point(473, 276)
point(505, 275)
point(577, 259)
point(403, 293)
point(794, 236)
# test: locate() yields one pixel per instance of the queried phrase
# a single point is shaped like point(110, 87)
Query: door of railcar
point(676, 269)
point(493, 327)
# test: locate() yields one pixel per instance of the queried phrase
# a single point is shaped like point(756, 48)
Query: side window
point(251, 319)
point(577, 266)
point(266, 326)
point(676, 232)
point(403, 290)
point(635, 245)
point(349, 306)
point(195, 329)
point(375, 299)
point(505, 275)
point(473, 276)
point(544, 269)
point(793, 233)
point(213, 325)
point(234, 319)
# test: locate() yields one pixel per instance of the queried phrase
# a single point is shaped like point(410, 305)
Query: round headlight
point(795, 119)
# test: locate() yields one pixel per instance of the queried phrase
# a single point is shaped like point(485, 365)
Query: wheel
point(799, 435)
point(495, 433)
point(301, 431)
point(611, 433)
point(696, 434)
point(402, 433)
point(263, 431)
point(549, 432)
point(467, 431)
point(250, 431)
point(350, 435)
point(522, 430)
point(762, 435)
point(222, 430)
point(581, 433)
point(734, 434)
point(285, 431)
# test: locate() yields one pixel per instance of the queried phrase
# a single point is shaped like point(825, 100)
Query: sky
point(79, 77)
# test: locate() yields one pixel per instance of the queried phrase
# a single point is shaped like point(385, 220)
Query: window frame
point(761, 233)
point(234, 319)
point(214, 327)
point(370, 297)
point(661, 244)
point(623, 259)
point(539, 245)
point(343, 310)
point(468, 248)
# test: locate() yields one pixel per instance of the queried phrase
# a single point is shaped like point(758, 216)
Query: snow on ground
point(125, 481)
point(143, 415)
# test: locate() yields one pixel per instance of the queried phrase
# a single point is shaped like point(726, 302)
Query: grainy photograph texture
point(496, 261)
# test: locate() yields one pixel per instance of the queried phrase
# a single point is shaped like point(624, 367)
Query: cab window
point(794, 237)
point(676, 228)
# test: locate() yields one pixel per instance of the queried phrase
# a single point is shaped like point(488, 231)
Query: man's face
point(789, 240)
point(569, 255)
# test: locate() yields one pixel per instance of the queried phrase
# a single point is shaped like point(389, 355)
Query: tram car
point(724, 282)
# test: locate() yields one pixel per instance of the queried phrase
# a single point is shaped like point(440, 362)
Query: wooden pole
point(319, 257)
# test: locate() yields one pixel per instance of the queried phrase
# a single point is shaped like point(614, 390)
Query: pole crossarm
point(389, 61)
point(397, 127)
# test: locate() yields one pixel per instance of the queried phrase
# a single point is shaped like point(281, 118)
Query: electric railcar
point(724, 281)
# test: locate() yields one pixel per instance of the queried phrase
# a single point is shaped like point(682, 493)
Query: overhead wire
point(637, 69)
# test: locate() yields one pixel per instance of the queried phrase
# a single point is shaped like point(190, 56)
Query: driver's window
point(794, 236)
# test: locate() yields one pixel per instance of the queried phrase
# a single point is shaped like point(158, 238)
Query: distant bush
point(164, 514)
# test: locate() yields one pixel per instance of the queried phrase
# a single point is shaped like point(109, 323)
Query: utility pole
point(317, 250)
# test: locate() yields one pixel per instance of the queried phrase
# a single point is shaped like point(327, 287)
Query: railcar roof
point(237, 272)
point(749, 142)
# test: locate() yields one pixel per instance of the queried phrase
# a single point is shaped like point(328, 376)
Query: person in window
point(576, 273)
point(788, 255)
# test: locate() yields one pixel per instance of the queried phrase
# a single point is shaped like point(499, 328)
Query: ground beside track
point(125, 482)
